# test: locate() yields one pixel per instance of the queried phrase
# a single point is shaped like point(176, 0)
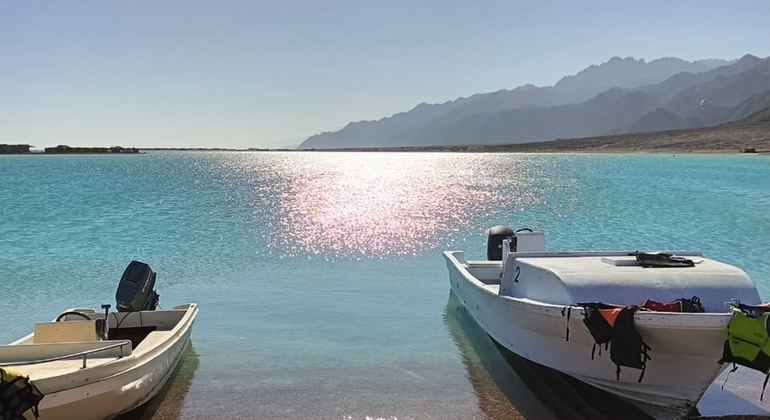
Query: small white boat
point(527, 300)
point(86, 371)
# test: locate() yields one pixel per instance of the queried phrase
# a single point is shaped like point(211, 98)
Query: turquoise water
point(322, 290)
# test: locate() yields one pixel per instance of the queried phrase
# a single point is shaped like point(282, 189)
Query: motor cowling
point(136, 289)
point(495, 236)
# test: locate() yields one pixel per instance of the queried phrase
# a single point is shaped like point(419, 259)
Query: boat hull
point(93, 403)
point(107, 397)
point(684, 357)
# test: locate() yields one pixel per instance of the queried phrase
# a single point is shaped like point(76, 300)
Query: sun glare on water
point(367, 204)
point(370, 204)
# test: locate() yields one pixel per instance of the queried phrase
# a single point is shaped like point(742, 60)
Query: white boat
point(86, 371)
point(527, 299)
point(85, 377)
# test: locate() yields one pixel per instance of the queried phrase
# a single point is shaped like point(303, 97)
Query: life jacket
point(614, 325)
point(747, 343)
point(628, 348)
point(754, 311)
point(17, 395)
point(692, 305)
point(661, 259)
point(675, 306)
point(680, 305)
point(747, 340)
point(599, 318)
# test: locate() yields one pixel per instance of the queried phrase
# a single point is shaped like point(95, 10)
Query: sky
point(240, 74)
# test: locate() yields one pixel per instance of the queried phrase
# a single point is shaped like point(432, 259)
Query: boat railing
point(83, 354)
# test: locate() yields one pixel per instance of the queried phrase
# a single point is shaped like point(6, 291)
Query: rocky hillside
point(748, 135)
point(646, 96)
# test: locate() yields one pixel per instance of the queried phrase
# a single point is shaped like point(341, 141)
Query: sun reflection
point(366, 205)
point(372, 204)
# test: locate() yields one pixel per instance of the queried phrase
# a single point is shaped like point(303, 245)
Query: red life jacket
point(675, 306)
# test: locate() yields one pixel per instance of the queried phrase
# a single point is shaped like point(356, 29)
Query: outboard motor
point(495, 236)
point(136, 289)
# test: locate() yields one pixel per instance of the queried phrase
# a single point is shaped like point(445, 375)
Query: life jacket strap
point(645, 358)
point(641, 375)
point(735, 367)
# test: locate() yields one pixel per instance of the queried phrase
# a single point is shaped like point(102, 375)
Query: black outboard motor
point(495, 236)
point(135, 291)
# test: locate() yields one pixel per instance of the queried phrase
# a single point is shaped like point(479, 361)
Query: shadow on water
point(167, 404)
point(509, 387)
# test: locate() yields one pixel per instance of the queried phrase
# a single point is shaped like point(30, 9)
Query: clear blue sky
point(232, 73)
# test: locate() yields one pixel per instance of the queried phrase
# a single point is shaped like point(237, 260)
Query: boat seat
point(62, 332)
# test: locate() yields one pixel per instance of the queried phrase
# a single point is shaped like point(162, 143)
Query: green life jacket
point(747, 342)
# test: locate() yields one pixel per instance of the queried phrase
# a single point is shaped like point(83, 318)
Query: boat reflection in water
point(509, 387)
point(167, 404)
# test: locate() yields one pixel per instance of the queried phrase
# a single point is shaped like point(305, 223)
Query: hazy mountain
point(683, 80)
point(749, 107)
point(732, 93)
point(400, 128)
point(729, 87)
point(751, 132)
point(611, 109)
point(657, 120)
point(627, 73)
point(529, 113)
point(760, 117)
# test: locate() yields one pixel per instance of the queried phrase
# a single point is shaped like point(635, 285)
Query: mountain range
point(622, 95)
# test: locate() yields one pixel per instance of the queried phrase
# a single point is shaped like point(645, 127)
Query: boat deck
point(37, 352)
point(63, 367)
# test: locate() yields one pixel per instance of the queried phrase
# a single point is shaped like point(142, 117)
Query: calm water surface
point(322, 290)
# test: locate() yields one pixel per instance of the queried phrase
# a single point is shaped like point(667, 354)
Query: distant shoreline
point(475, 149)
point(737, 137)
point(723, 139)
point(731, 138)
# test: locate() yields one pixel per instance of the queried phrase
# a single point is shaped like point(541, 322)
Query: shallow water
point(321, 286)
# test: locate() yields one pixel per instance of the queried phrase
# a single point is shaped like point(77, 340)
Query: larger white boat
point(87, 369)
point(527, 299)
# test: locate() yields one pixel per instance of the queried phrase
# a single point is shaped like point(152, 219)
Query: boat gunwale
point(140, 358)
point(643, 319)
point(109, 346)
